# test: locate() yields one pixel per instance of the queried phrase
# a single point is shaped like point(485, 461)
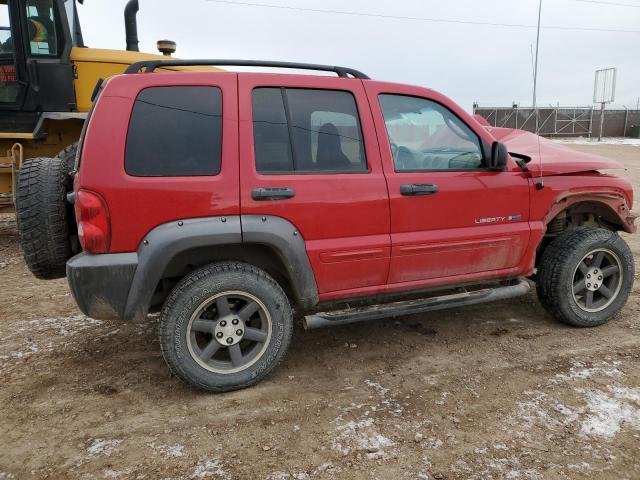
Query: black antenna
point(540, 182)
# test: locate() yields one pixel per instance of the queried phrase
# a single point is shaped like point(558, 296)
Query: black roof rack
point(151, 65)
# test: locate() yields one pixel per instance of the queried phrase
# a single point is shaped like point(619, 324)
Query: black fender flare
point(283, 237)
point(166, 241)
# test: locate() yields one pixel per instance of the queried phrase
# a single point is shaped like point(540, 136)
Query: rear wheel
point(585, 276)
point(225, 327)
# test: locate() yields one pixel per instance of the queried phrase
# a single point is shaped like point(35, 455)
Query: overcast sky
point(488, 64)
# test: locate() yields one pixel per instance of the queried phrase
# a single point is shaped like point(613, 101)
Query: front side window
point(42, 27)
point(424, 135)
point(305, 131)
point(175, 131)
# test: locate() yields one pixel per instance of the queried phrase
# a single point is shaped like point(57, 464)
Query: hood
point(557, 159)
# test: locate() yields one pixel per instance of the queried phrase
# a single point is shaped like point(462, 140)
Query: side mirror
point(498, 160)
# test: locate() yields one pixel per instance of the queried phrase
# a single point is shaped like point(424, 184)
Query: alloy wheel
point(229, 332)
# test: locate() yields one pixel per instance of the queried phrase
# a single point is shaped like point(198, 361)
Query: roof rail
point(151, 65)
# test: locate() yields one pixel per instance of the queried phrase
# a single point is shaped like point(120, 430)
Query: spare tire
point(44, 215)
point(68, 156)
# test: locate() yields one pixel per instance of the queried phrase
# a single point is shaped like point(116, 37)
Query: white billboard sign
point(604, 89)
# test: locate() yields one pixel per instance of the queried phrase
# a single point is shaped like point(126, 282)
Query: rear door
point(451, 218)
point(160, 148)
point(313, 138)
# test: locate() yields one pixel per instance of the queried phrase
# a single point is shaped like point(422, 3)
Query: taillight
point(94, 228)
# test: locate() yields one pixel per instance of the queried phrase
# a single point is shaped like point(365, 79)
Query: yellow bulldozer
point(47, 77)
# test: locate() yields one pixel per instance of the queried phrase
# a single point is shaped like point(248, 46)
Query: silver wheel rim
point(597, 280)
point(229, 332)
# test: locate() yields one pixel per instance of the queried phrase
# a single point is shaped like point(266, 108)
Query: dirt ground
point(491, 391)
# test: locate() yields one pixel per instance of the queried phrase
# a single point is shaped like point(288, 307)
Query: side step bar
point(409, 307)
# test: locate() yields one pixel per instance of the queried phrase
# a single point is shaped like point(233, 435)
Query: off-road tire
point(42, 213)
point(68, 156)
point(555, 276)
point(200, 285)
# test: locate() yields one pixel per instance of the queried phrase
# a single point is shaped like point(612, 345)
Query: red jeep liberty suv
point(228, 199)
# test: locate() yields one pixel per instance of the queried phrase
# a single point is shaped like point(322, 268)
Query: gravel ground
point(490, 391)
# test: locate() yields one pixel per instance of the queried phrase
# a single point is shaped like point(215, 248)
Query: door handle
point(419, 189)
point(276, 193)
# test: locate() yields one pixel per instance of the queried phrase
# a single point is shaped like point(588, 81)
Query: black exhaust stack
point(131, 25)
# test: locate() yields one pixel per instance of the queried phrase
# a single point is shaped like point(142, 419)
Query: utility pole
point(535, 69)
point(601, 121)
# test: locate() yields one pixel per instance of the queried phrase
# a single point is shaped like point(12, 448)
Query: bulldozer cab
point(47, 78)
point(36, 38)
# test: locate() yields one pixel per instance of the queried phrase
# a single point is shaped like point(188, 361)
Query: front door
point(313, 140)
point(451, 218)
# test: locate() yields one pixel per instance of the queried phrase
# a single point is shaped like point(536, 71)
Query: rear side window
point(175, 131)
point(305, 131)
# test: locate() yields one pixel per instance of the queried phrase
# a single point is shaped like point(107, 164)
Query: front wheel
point(585, 276)
point(225, 327)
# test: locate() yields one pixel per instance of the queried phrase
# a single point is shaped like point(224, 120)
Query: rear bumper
point(101, 284)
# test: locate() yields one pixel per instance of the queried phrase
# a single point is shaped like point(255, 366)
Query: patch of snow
point(361, 435)
point(62, 326)
point(168, 451)
point(278, 476)
point(209, 468)
point(570, 415)
point(625, 393)
point(609, 413)
point(596, 412)
point(533, 412)
point(65, 326)
point(433, 443)
point(326, 467)
point(110, 473)
point(102, 447)
point(113, 332)
point(443, 399)
point(380, 390)
point(509, 467)
point(578, 371)
point(356, 429)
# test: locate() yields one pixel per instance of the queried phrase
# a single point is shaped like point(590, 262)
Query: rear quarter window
point(175, 131)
